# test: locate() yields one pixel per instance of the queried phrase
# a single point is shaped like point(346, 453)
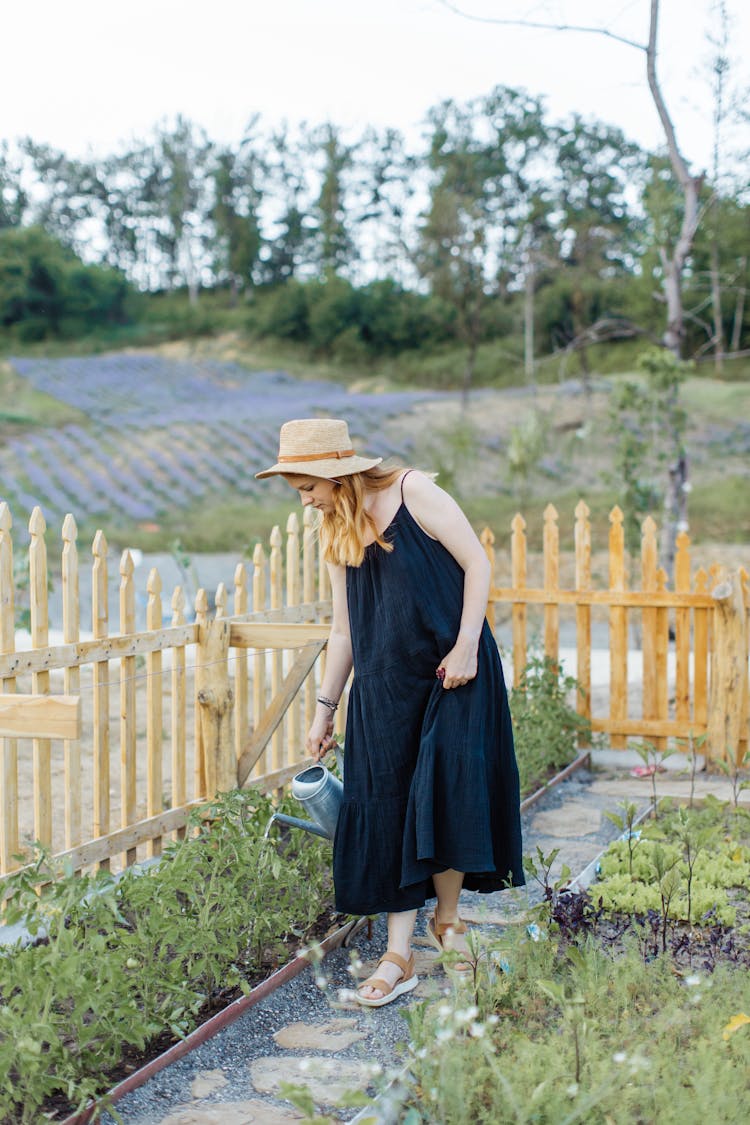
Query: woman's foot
point(448, 935)
point(393, 976)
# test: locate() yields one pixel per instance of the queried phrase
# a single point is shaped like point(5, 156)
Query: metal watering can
point(320, 793)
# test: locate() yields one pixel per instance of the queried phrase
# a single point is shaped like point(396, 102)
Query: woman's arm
point(439, 515)
point(338, 667)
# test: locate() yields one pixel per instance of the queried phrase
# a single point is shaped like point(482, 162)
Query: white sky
point(88, 74)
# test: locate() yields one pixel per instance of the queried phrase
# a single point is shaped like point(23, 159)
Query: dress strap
point(403, 478)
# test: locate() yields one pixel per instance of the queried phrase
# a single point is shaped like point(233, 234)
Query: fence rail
point(110, 739)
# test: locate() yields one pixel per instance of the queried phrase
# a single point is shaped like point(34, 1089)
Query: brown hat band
point(317, 456)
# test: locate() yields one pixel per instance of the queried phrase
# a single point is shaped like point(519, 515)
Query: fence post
point(618, 629)
point(215, 700)
point(8, 746)
point(71, 678)
point(42, 749)
point(727, 658)
point(128, 698)
point(583, 614)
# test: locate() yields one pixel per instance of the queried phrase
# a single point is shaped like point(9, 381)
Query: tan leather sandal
point(436, 931)
point(408, 981)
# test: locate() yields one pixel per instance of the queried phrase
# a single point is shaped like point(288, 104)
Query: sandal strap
point(440, 928)
point(406, 967)
point(377, 982)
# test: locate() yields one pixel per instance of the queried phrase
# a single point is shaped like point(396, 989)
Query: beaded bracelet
point(329, 703)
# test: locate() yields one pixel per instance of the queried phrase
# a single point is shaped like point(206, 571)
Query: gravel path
point(307, 1032)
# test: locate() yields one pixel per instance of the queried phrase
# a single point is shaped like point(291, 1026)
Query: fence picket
point(71, 679)
point(8, 746)
point(179, 710)
point(662, 654)
point(128, 705)
point(199, 764)
point(259, 660)
point(649, 552)
point(583, 612)
point(309, 542)
point(682, 630)
point(289, 589)
point(618, 628)
point(38, 606)
point(294, 714)
point(277, 660)
point(241, 662)
point(700, 654)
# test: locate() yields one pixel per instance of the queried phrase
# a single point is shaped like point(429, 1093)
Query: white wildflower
point(693, 981)
point(619, 1057)
point(476, 1030)
point(444, 1011)
point(443, 1034)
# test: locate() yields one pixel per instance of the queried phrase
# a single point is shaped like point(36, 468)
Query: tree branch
point(542, 26)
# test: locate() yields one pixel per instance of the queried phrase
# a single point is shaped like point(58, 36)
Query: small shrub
point(546, 728)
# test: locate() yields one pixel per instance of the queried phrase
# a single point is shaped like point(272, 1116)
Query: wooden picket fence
point(189, 708)
point(706, 613)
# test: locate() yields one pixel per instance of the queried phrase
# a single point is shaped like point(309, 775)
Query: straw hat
point(318, 447)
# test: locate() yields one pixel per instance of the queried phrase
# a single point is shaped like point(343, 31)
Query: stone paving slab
point(312, 1032)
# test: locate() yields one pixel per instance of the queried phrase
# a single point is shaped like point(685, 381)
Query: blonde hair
point(344, 530)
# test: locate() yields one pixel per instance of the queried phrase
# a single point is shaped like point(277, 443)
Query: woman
point(431, 800)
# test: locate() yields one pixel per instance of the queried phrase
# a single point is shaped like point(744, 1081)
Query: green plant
point(546, 727)
point(732, 767)
point(113, 963)
point(581, 1037)
point(626, 824)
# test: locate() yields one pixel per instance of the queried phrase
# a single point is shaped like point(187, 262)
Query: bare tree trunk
point(675, 506)
point(674, 263)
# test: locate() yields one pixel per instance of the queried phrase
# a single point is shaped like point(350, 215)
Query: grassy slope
point(577, 460)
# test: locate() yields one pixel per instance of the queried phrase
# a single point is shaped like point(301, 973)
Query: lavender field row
point(157, 435)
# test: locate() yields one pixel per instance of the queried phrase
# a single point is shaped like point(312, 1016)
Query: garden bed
point(611, 1005)
point(118, 972)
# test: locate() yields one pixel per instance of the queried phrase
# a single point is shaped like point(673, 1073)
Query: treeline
point(502, 225)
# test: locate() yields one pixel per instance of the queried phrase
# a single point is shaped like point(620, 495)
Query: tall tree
point(177, 193)
point(673, 256)
point(13, 198)
point(236, 212)
point(333, 237)
point(599, 234)
point(480, 156)
point(290, 225)
point(387, 211)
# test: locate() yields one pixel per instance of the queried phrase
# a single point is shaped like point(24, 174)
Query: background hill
point(163, 445)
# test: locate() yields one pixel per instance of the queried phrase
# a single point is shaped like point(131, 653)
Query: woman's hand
point(320, 736)
point(459, 665)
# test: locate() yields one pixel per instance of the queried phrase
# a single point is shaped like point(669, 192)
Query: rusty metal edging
point(234, 1010)
point(212, 1026)
point(532, 799)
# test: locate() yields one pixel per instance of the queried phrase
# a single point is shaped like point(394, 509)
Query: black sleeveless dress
point(430, 775)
